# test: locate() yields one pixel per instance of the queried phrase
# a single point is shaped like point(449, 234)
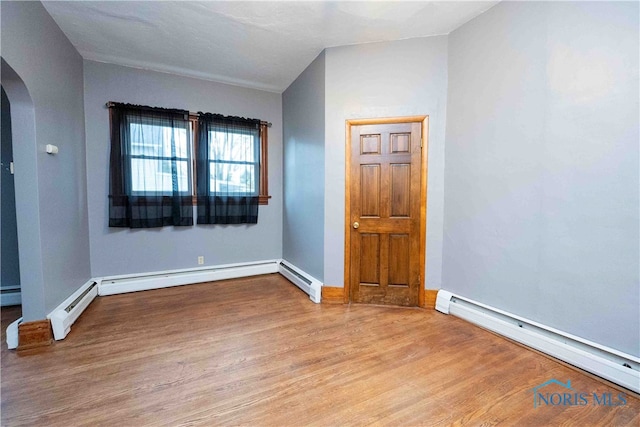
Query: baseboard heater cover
point(146, 281)
point(11, 296)
point(310, 285)
point(611, 364)
point(12, 334)
point(68, 312)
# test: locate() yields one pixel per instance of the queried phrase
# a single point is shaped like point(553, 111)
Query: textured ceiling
point(263, 45)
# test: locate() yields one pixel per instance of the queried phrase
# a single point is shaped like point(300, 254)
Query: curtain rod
point(262, 122)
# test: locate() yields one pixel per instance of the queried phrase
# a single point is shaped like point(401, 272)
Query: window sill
point(263, 200)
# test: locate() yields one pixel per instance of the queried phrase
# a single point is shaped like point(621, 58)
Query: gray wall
point(50, 190)
point(541, 195)
point(304, 191)
point(123, 251)
point(401, 78)
point(9, 263)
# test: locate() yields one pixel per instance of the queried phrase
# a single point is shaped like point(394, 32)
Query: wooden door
point(384, 231)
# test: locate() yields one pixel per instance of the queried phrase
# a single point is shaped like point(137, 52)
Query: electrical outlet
point(200, 260)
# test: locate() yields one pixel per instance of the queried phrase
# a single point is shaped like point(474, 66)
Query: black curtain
point(149, 182)
point(227, 164)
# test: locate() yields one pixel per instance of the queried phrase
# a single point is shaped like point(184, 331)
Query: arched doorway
point(9, 262)
point(27, 204)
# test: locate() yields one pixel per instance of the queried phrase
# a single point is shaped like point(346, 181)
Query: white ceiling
point(258, 44)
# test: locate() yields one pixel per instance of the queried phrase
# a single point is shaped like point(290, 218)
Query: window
point(228, 169)
point(149, 177)
point(163, 160)
point(234, 162)
point(160, 156)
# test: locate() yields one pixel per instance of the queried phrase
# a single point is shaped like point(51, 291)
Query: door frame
point(423, 197)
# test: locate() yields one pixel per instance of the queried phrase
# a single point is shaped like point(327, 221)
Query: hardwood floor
point(257, 352)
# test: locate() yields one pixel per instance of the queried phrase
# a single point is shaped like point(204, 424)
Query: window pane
point(153, 175)
point(180, 136)
point(155, 140)
point(183, 176)
point(233, 178)
point(231, 146)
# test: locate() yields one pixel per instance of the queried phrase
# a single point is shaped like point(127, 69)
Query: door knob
point(356, 224)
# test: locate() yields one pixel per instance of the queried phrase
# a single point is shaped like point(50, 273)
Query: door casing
point(423, 197)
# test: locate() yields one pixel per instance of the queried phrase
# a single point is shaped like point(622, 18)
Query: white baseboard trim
point(310, 285)
point(68, 312)
point(611, 364)
point(13, 297)
point(146, 281)
point(12, 334)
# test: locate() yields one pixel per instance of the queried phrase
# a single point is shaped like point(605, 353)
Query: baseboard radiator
point(10, 295)
point(68, 312)
point(147, 281)
point(613, 365)
point(308, 284)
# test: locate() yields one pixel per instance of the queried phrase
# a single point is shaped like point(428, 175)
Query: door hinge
point(11, 169)
point(420, 142)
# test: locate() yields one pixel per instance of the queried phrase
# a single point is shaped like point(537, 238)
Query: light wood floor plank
point(257, 352)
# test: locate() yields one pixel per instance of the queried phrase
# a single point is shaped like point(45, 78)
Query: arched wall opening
point(26, 192)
